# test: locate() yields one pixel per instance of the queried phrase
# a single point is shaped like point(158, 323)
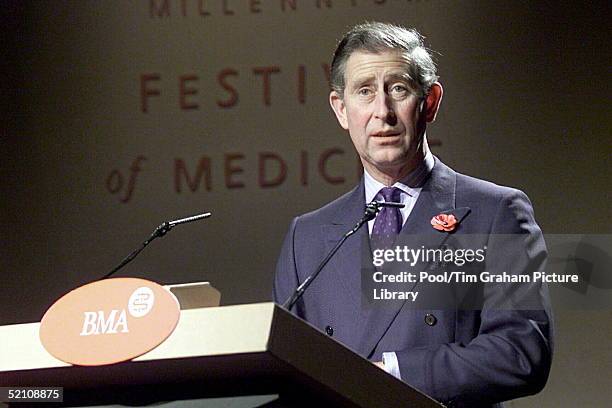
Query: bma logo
point(96, 323)
point(140, 304)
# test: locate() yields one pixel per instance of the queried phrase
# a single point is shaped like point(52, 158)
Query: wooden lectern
point(253, 349)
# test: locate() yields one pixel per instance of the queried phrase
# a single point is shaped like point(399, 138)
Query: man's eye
point(399, 89)
point(365, 91)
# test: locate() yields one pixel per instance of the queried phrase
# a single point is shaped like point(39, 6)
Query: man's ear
point(337, 104)
point(432, 101)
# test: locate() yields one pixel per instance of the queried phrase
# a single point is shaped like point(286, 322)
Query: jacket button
point(430, 319)
point(329, 330)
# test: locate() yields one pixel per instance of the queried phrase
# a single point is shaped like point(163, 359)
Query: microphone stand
point(159, 232)
point(371, 210)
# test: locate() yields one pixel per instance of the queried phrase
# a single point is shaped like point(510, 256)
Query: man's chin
point(389, 161)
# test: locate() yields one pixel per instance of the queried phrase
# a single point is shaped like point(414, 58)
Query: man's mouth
point(385, 134)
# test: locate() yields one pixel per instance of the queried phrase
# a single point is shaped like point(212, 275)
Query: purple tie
point(388, 223)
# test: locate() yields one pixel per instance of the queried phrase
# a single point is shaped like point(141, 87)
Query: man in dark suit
point(385, 91)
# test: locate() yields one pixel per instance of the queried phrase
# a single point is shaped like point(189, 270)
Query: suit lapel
point(345, 270)
point(437, 196)
point(369, 324)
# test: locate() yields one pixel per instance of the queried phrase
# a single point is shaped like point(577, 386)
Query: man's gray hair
point(378, 37)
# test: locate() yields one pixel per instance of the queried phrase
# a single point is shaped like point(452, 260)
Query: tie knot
point(390, 194)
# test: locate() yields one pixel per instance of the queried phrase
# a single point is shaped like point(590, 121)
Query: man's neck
point(390, 175)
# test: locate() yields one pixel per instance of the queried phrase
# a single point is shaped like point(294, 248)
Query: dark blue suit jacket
point(466, 357)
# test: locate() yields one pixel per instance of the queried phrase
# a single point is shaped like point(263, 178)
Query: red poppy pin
point(444, 222)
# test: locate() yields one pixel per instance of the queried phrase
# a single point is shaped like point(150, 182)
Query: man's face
point(381, 110)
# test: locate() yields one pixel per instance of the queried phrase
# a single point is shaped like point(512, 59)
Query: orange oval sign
point(109, 321)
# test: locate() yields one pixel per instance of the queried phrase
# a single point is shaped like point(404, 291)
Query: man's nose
point(383, 108)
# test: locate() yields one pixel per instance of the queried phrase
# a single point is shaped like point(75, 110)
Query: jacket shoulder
point(507, 209)
point(484, 189)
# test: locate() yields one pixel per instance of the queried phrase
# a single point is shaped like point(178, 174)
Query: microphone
point(388, 204)
point(371, 211)
point(159, 232)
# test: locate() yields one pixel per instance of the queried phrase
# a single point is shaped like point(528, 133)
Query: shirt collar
point(411, 184)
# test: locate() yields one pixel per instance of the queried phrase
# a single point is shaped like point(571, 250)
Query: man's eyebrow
point(404, 76)
point(393, 76)
point(361, 79)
